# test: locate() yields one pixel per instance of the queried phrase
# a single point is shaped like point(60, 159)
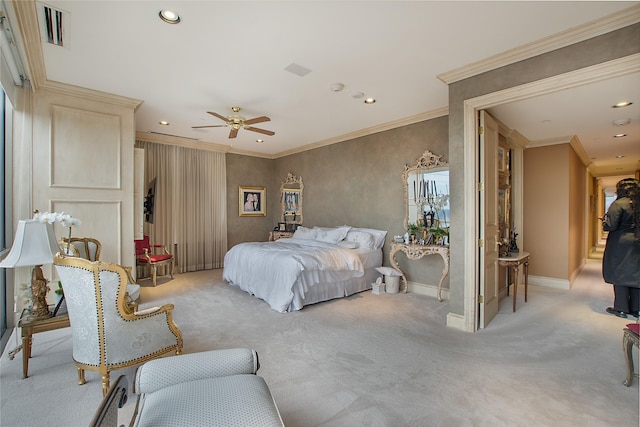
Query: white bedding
point(291, 273)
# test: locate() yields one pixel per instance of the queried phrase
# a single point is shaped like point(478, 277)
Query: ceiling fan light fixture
point(169, 16)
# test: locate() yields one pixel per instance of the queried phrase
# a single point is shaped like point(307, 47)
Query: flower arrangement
point(64, 219)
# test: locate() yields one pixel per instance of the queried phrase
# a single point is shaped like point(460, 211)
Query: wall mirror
point(426, 194)
point(291, 201)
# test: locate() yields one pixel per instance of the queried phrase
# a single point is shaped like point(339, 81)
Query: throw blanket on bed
point(269, 270)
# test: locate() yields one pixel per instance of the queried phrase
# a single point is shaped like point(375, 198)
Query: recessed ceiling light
point(622, 104)
point(169, 16)
point(369, 101)
point(164, 122)
point(619, 157)
point(336, 87)
point(357, 95)
point(259, 141)
point(621, 122)
point(620, 135)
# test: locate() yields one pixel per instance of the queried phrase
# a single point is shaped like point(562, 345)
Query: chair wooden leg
point(105, 384)
point(629, 339)
point(154, 274)
point(81, 379)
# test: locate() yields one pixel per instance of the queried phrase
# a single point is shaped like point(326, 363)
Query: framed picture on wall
point(252, 201)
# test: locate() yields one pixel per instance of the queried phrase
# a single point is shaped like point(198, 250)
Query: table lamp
point(35, 244)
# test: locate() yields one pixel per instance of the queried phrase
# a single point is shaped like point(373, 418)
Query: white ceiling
point(235, 53)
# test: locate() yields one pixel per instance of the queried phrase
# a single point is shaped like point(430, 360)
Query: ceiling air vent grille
point(53, 25)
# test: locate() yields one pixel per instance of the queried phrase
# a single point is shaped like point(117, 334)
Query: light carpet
point(375, 360)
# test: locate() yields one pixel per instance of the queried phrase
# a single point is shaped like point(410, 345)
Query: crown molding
point(368, 131)
point(607, 24)
point(90, 94)
point(25, 15)
point(181, 142)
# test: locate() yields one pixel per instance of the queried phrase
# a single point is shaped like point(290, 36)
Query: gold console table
point(415, 252)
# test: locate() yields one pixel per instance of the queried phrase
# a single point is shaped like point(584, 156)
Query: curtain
point(190, 214)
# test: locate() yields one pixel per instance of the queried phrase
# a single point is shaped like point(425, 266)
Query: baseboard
point(429, 290)
point(456, 321)
point(550, 282)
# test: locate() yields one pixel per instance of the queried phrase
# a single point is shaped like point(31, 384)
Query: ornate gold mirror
point(291, 201)
point(426, 194)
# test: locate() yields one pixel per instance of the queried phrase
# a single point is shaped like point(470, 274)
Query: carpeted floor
point(376, 360)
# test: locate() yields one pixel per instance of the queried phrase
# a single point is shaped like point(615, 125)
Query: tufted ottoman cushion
point(210, 388)
point(237, 400)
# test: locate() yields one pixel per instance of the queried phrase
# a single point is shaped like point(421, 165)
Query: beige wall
point(577, 214)
point(546, 210)
point(554, 201)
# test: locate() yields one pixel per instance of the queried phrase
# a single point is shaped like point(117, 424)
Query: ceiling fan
point(236, 122)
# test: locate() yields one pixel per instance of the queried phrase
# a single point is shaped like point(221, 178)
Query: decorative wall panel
point(100, 220)
point(81, 137)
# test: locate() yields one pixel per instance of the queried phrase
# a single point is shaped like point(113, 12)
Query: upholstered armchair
point(211, 388)
point(90, 248)
point(107, 334)
point(153, 255)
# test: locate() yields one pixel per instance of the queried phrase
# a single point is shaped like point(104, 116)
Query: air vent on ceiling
point(54, 21)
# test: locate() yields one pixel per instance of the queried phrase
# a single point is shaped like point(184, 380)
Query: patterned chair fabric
point(90, 248)
point(153, 255)
point(211, 388)
point(107, 333)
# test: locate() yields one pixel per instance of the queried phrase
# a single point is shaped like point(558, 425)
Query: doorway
point(472, 106)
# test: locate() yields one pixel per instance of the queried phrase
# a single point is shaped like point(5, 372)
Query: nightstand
point(275, 235)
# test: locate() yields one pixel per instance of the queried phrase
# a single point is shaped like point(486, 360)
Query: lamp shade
point(35, 244)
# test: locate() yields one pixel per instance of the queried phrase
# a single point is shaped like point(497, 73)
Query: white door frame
point(616, 68)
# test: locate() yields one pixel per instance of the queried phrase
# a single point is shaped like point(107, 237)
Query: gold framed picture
point(252, 201)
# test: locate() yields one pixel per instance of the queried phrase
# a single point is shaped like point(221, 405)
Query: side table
point(31, 326)
point(415, 252)
point(514, 262)
point(630, 338)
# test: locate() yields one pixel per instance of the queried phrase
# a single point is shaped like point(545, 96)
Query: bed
point(316, 264)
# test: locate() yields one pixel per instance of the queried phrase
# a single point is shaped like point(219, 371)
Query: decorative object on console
point(35, 244)
point(252, 201)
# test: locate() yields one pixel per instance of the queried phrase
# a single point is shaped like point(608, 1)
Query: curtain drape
point(190, 214)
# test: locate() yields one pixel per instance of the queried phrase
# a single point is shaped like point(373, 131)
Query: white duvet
point(270, 270)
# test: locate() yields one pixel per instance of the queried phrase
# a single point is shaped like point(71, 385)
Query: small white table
point(414, 252)
point(513, 263)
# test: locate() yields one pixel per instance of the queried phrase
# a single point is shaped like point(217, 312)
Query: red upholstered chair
point(153, 255)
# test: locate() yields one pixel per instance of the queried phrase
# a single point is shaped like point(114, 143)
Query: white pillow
point(378, 235)
point(304, 233)
point(388, 271)
point(348, 245)
point(331, 235)
point(364, 240)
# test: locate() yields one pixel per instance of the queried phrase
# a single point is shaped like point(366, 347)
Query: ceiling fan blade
point(266, 132)
point(223, 118)
point(233, 133)
point(257, 120)
point(210, 126)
